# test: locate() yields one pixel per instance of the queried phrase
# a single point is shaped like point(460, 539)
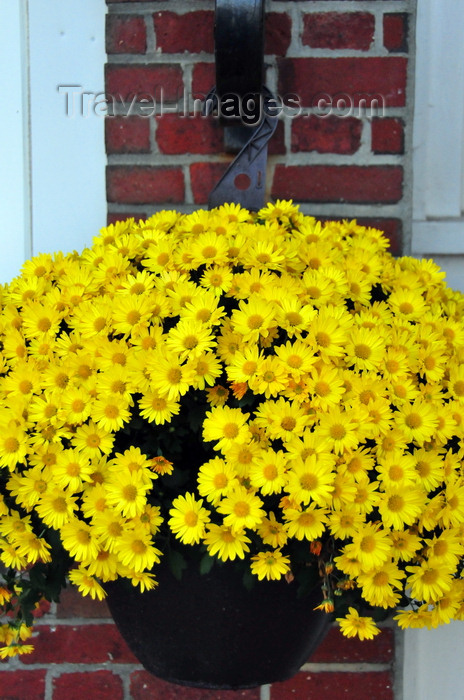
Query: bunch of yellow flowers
point(256, 387)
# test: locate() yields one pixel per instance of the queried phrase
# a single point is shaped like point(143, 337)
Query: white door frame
point(52, 160)
point(438, 142)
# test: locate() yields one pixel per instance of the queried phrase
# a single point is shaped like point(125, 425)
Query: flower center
point(288, 423)
point(241, 509)
point(423, 468)
point(293, 318)
point(307, 519)
point(111, 411)
point(323, 339)
point(392, 366)
point(99, 323)
point(11, 444)
point(73, 469)
point(406, 307)
point(314, 292)
point(249, 367)
point(440, 548)
point(190, 342)
point(362, 351)
point(25, 387)
point(138, 547)
point(321, 388)
point(133, 317)
point(255, 321)
point(59, 505)
point(367, 544)
point(395, 473)
point(413, 420)
point(220, 481)
point(337, 431)
point(174, 375)
point(129, 492)
point(270, 472)
point(395, 503)
point(309, 482)
point(191, 518)
point(430, 576)
point(230, 430)
point(82, 536)
point(380, 578)
point(44, 324)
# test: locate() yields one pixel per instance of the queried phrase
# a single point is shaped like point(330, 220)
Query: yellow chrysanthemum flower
point(353, 625)
point(241, 509)
point(188, 519)
point(225, 542)
point(270, 565)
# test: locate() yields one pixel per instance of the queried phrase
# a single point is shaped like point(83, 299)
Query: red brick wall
point(356, 166)
point(352, 162)
point(79, 654)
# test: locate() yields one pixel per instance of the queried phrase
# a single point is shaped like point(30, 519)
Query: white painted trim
point(67, 47)
point(438, 237)
point(433, 663)
point(438, 158)
point(15, 205)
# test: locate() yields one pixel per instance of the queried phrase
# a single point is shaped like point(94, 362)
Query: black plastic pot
point(210, 631)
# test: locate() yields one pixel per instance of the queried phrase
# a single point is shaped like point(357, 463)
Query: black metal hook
point(244, 106)
point(239, 49)
point(245, 178)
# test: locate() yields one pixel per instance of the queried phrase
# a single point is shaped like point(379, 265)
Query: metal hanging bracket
point(243, 105)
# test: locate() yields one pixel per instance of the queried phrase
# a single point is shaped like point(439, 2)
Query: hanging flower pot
point(255, 391)
point(209, 630)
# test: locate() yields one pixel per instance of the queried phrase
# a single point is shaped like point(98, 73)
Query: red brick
point(387, 136)
point(192, 31)
point(203, 78)
point(177, 134)
point(152, 81)
point(339, 30)
point(369, 79)
point(392, 228)
point(276, 146)
point(144, 686)
point(19, 685)
point(336, 648)
point(73, 604)
point(347, 183)
point(98, 685)
point(127, 135)
point(125, 34)
point(91, 644)
point(336, 686)
point(204, 177)
point(329, 134)
point(112, 218)
point(278, 33)
point(145, 184)
point(395, 32)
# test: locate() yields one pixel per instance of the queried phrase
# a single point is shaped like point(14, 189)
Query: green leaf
point(206, 564)
point(177, 563)
point(249, 580)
